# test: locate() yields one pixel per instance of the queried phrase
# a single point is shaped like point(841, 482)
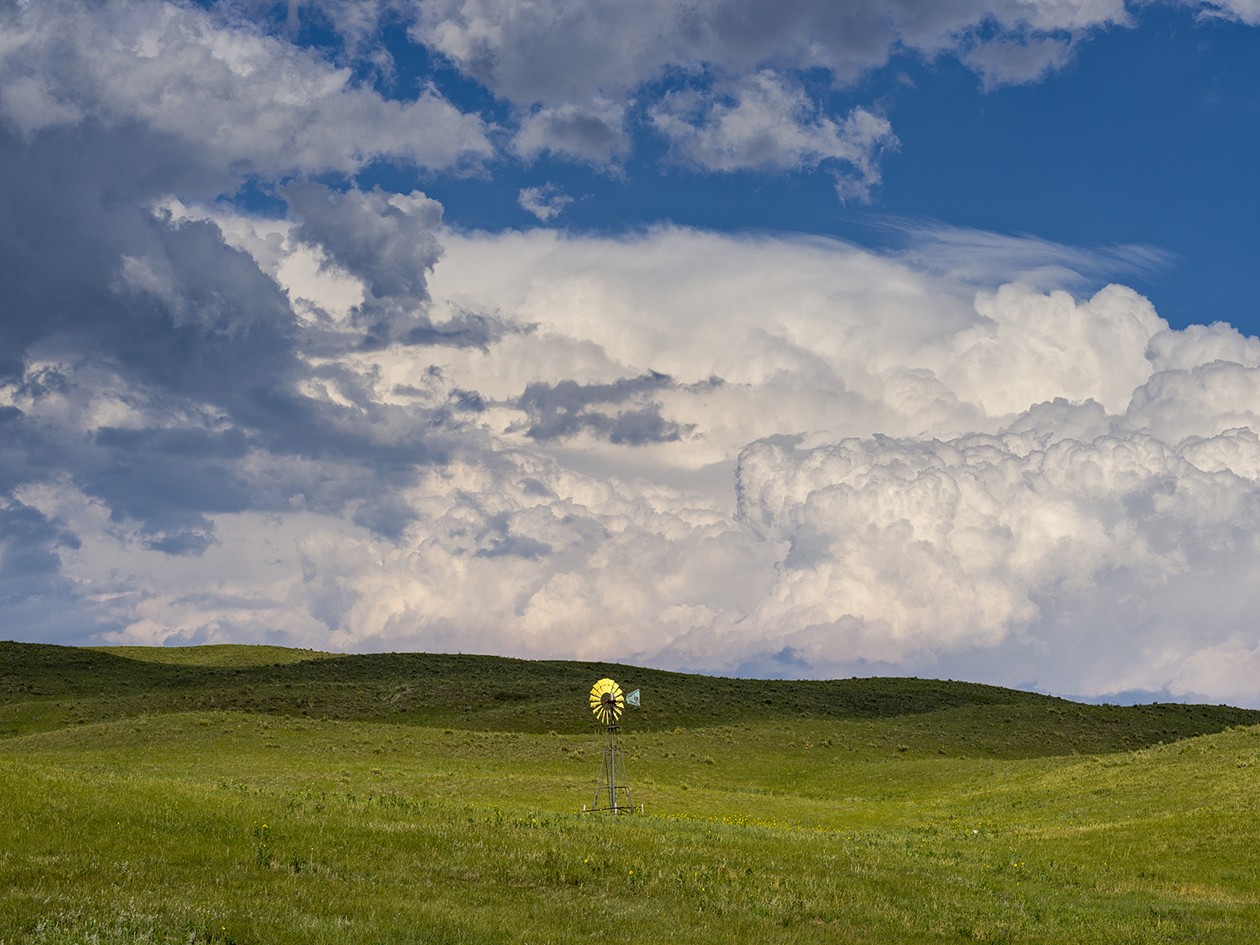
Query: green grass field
point(260, 795)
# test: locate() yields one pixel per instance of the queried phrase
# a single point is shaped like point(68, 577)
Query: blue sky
point(789, 338)
point(1141, 137)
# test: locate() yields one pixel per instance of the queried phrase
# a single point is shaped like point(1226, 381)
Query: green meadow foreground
point(251, 794)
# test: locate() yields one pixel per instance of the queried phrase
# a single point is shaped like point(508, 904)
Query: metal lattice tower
point(612, 791)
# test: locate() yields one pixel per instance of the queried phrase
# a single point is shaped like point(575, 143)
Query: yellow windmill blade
point(607, 701)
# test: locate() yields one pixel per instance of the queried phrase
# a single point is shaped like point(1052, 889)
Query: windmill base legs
point(612, 793)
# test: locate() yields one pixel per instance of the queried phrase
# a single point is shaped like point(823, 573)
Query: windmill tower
point(612, 791)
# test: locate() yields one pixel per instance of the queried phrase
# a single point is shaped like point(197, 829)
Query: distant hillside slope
point(44, 686)
point(215, 654)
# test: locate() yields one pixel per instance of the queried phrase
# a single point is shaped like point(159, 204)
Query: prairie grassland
point(241, 827)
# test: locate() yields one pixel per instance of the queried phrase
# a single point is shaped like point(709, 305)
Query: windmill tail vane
point(612, 792)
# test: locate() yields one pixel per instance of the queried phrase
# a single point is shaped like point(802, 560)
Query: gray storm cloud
point(386, 240)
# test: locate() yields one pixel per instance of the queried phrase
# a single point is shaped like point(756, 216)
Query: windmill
point(608, 702)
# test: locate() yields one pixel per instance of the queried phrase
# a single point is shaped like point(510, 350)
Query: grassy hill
point(44, 686)
point(255, 794)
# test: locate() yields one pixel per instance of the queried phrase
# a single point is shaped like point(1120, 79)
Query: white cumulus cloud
point(241, 98)
point(902, 546)
point(574, 66)
point(344, 425)
point(734, 454)
point(545, 202)
point(1245, 11)
point(769, 123)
